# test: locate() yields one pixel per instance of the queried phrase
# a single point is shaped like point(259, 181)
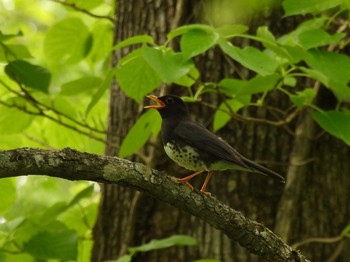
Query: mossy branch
point(74, 165)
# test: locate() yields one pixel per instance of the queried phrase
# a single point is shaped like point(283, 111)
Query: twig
point(324, 240)
point(41, 108)
point(58, 121)
point(37, 103)
point(39, 141)
point(77, 8)
point(238, 117)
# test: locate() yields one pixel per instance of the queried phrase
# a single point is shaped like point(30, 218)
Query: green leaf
point(220, 118)
point(149, 123)
point(294, 54)
point(335, 122)
point(317, 37)
point(86, 84)
point(137, 39)
point(340, 88)
point(7, 193)
point(265, 33)
point(136, 77)
point(231, 86)
point(11, 224)
point(68, 41)
point(296, 7)
point(103, 87)
point(81, 218)
point(268, 40)
point(30, 75)
point(346, 3)
point(313, 23)
point(4, 37)
point(325, 62)
point(304, 97)
point(195, 42)
point(323, 69)
point(64, 105)
point(228, 31)
point(176, 240)
point(312, 73)
point(125, 258)
point(345, 231)
point(189, 79)
point(13, 52)
point(292, 39)
point(170, 66)
point(85, 193)
point(184, 29)
point(61, 207)
point(17, 257)
point(61, 245)
point(290, 81)
point(251, 58)
point(258, 84)
point(222, 115)
point(102, 41)
point(52, 212)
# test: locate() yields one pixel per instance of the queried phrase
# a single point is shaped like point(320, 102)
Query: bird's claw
point(184, 181)
point(205, 193)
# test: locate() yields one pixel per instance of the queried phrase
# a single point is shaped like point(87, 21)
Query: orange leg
point(206, 181)
point(187, 178)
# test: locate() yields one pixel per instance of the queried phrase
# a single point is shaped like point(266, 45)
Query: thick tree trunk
point(313, 203)
point(114, 230)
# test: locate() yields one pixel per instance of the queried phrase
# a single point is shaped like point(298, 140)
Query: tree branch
point(75, 7)
point(74, 165)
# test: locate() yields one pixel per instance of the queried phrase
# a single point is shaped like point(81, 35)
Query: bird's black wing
point(197, 136)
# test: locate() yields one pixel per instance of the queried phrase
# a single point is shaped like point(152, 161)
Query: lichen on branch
point(74, 165)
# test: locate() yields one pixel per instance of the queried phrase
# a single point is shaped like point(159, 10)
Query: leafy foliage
point(277, 65)
point(148, 124)
point(30, 75)
point(47, 82)
point(68, 41)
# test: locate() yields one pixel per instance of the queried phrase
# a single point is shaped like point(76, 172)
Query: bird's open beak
point(160, 104)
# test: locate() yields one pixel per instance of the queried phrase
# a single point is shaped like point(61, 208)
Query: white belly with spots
point(185, 157)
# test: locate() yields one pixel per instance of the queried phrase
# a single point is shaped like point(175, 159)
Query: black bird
point(194, 147)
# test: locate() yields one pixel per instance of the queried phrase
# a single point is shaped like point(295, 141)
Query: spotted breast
point(184, 156)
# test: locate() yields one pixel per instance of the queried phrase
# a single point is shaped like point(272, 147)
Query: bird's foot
point(210, 173)
point(187, 178)
point(205, 193)
point(184, 181)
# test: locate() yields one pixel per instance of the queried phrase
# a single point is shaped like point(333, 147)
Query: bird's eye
point(169, 100)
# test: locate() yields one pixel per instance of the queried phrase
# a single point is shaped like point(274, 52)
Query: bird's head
point(169, 106)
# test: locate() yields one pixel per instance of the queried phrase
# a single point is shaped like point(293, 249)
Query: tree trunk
point(312, 204)
point(114, 230)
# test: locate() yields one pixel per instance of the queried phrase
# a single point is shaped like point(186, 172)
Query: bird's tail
point(262, 170)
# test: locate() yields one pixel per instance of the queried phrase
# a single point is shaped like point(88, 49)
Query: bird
point(194, 147)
